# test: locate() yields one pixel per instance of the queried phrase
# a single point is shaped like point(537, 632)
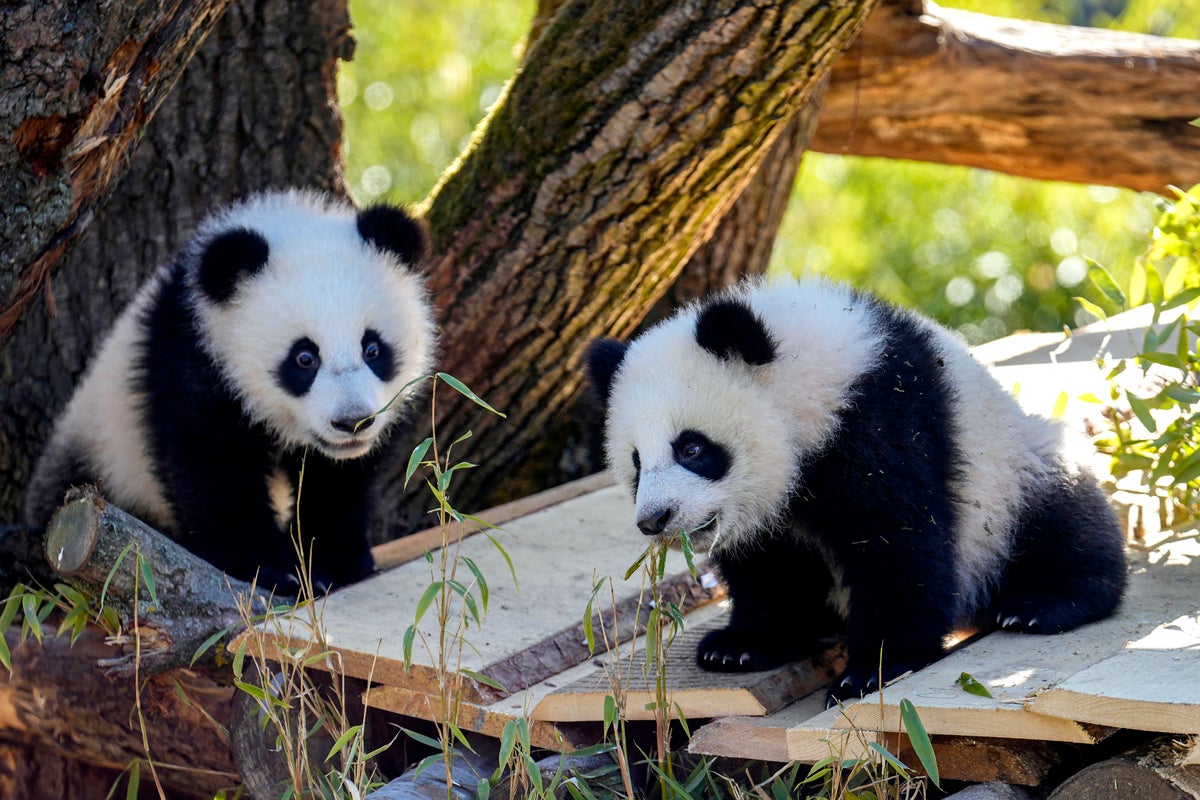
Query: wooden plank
point(696, 693)
point(960, 758)
point(1018, 667)
point(528, 635)
point(1150, 685)
point(400, 551)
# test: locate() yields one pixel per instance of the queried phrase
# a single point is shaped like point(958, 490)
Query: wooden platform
point(1139, 670)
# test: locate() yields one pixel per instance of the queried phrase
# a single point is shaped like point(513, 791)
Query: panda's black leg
point(901, 583)
point(336, 506)
point(1068, 566)
point(780, 596)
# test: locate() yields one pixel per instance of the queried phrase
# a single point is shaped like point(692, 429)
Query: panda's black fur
point(266, 347)
point(875, 481)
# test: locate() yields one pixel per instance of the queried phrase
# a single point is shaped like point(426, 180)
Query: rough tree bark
point(599, 175)
point(1027, 98)
point(77, 85)
point(229, 128)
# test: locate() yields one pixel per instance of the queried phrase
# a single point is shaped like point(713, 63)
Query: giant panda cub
point(852, 470)
point(277, 338)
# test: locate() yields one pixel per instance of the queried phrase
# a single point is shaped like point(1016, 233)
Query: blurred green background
point(984, 253)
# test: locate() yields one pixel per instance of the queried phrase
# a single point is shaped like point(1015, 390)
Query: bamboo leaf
point(431, 591)
point(414, 460)
point(480, 581)
point(147, 576)
point(638, 563)
point(1103, 280)
point(1141, 411)
point(484, 679)
point(969, 684)
point(919, 739)
point(343, 740)
point(1091, 308)
point(460, 387)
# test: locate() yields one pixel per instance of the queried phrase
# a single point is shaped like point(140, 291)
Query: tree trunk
point(255, 108)
point(1042, 101)
point(230, 127)
point(79, 83)
point(600, 174)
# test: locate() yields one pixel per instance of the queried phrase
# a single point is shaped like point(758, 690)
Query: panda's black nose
point(352, 424)
point(654, 522)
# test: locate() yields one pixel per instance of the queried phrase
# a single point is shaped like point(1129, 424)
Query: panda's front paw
point(851, 685)
point(280, 581)
point(734, 650)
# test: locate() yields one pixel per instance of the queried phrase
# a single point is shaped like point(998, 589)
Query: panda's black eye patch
point(637, 473)
point(697, 453)
point(299, 367)
point(378, 355)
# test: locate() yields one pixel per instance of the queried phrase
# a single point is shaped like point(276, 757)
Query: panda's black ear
point(228, 259)
point(604, 357)
point(730, 329)
point(392, 229)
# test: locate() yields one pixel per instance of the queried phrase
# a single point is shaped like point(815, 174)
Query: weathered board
point(533, 628)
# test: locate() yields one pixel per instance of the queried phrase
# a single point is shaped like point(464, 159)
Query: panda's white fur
point(324, 281)
point(331, 273)
point(793, 389)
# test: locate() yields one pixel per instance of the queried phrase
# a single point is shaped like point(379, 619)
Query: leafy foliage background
point(984, 253)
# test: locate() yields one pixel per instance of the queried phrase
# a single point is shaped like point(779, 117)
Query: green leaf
point(638, 563)
point(512, 570)
point(1103, 280)
point(896, 763)
point(414, 460)
point(689, 552)
point(460, 387)
point(134, 781)
point(1183, 298)
point(431, 591)
point(920, 741)
point(116, 566)
point(484, 679)
point(410, 635)
point(1060, 406)
point(610, 712)
point(480, 581)
point(972, 686)
point(147, 576)
point(1091, 308)
point(207, 644)
point(343, 740)
point(30, 609)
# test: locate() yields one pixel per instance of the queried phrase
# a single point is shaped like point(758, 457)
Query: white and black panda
point(273, 340)
point(851, 469)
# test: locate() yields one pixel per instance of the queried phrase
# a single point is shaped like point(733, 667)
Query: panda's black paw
point(734, 650)
point(851, 685)
point(854, 683)
point(1037, 614)
point(280, 581)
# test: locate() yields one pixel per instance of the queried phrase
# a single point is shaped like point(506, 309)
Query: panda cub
point(276, 339)
point(852, 470)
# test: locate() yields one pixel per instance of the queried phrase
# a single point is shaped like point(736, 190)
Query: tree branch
point(1042, 101)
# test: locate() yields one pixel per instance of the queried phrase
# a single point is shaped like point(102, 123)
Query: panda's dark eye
point(699, 454)
point(307, 359)
point(371, 351)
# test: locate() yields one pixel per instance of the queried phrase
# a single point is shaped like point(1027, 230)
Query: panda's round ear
point(730, 329)
point(392, 229)
point(229, 258)
point(603, 358)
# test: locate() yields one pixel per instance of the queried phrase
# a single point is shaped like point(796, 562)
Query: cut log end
point(73, 531)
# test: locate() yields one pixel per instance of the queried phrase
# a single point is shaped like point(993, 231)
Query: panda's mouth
point(348, 448)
